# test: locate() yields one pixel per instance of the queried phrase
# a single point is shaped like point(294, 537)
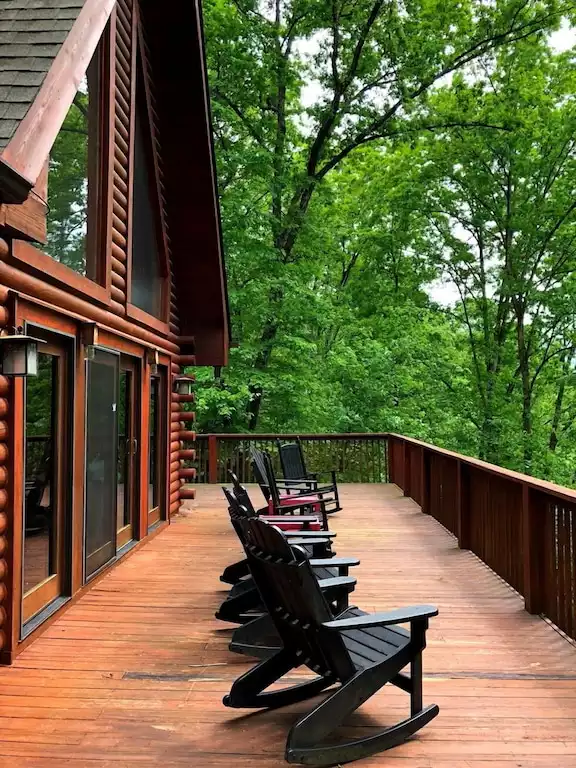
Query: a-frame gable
point(45, 49)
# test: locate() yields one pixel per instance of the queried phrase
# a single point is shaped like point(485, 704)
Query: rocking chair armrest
point(305, 487)
point(305, 542)
point(299, 504)
point(289, 518)
point(328, 562)
point(337, 581)
point(312, 535)
point(287, 482)
point(397, 616)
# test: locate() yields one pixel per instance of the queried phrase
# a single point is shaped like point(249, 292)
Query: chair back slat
point(270, 474)
point(292, 461)
point(294, 599)
point(241, 494)
point(260, 471)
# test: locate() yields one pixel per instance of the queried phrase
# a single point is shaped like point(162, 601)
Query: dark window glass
point(146, 274)
point(101, 459)
point(40, 542)
point(124, 447)
point(153, 466)
point(73, 180)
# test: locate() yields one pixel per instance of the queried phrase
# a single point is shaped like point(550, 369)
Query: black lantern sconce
point(153, 360)
point(19, 354)
point(183, 385)
point(90, 340)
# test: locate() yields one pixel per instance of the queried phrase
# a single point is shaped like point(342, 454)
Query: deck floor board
point(134, 673)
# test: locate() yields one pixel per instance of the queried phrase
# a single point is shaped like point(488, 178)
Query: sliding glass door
point(47, 410)
point(128, 451)
point(102, 378)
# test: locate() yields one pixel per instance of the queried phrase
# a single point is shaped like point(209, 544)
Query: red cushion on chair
point(286, 499)
point(288, 525)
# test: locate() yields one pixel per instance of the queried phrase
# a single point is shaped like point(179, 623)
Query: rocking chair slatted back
point(260, 472)
point(240, 496)
point(294, 600)
point(292, 460)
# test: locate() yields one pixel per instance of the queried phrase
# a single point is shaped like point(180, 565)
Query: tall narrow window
point(74, 178)
point(147, 280)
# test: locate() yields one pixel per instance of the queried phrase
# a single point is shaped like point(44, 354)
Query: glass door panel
point(102, 376)
point(156, 450)
point(45, 485)
point(127, 489)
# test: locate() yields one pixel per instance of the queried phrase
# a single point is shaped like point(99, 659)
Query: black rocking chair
point(293, 465)
point(318, 543)
point(287, 496)
point(360, 651)
point(258, 636)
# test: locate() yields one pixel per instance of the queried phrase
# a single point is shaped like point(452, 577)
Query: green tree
point(373, 66)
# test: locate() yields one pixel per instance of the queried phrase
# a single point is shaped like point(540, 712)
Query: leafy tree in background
point(503, 214)
point(68, 188)
point(374, 65)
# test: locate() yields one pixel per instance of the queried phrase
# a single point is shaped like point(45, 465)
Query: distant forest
point(397, 184)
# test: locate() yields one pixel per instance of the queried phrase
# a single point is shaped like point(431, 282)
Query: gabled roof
point(45, 49)
point(31, 33)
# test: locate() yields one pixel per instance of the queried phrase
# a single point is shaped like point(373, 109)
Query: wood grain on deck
point(134, 673)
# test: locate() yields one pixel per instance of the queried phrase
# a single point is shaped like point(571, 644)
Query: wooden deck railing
point(358, 458)
point(523, 528)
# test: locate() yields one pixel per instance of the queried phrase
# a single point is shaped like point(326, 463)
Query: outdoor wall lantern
point(90, 339)
point(19, 354)
point(153, 359)
point(183, 385)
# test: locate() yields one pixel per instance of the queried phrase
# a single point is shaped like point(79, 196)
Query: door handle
point(134, 442)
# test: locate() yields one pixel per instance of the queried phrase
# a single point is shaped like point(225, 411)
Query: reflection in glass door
point(127, 490)
point(102, 376)
point(44, 556)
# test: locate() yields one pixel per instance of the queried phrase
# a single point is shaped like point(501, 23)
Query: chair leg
point(235, 572)
point(249, 690)
point(416, 680)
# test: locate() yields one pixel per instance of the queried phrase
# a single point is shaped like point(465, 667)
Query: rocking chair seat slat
point(372, 646)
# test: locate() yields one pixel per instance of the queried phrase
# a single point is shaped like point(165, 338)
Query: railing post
point(462, 506)
point(425, 482)
point(212, 459)
point(405, 468)
point(534, 510)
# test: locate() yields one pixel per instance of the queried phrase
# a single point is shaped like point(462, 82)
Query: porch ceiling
point(134, 673)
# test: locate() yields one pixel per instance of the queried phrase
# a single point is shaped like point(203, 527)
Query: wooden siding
point(134, 673)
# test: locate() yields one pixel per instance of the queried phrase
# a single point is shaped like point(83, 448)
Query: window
point(147, 281)
point(74, 179)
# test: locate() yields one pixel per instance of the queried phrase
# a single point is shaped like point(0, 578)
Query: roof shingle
point(31, 34)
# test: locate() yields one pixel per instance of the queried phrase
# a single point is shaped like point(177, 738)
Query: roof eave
point(14, 188)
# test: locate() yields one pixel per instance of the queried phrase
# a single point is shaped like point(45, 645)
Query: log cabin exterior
point(110, 254)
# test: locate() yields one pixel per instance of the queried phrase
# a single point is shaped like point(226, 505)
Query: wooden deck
point(134, 673)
